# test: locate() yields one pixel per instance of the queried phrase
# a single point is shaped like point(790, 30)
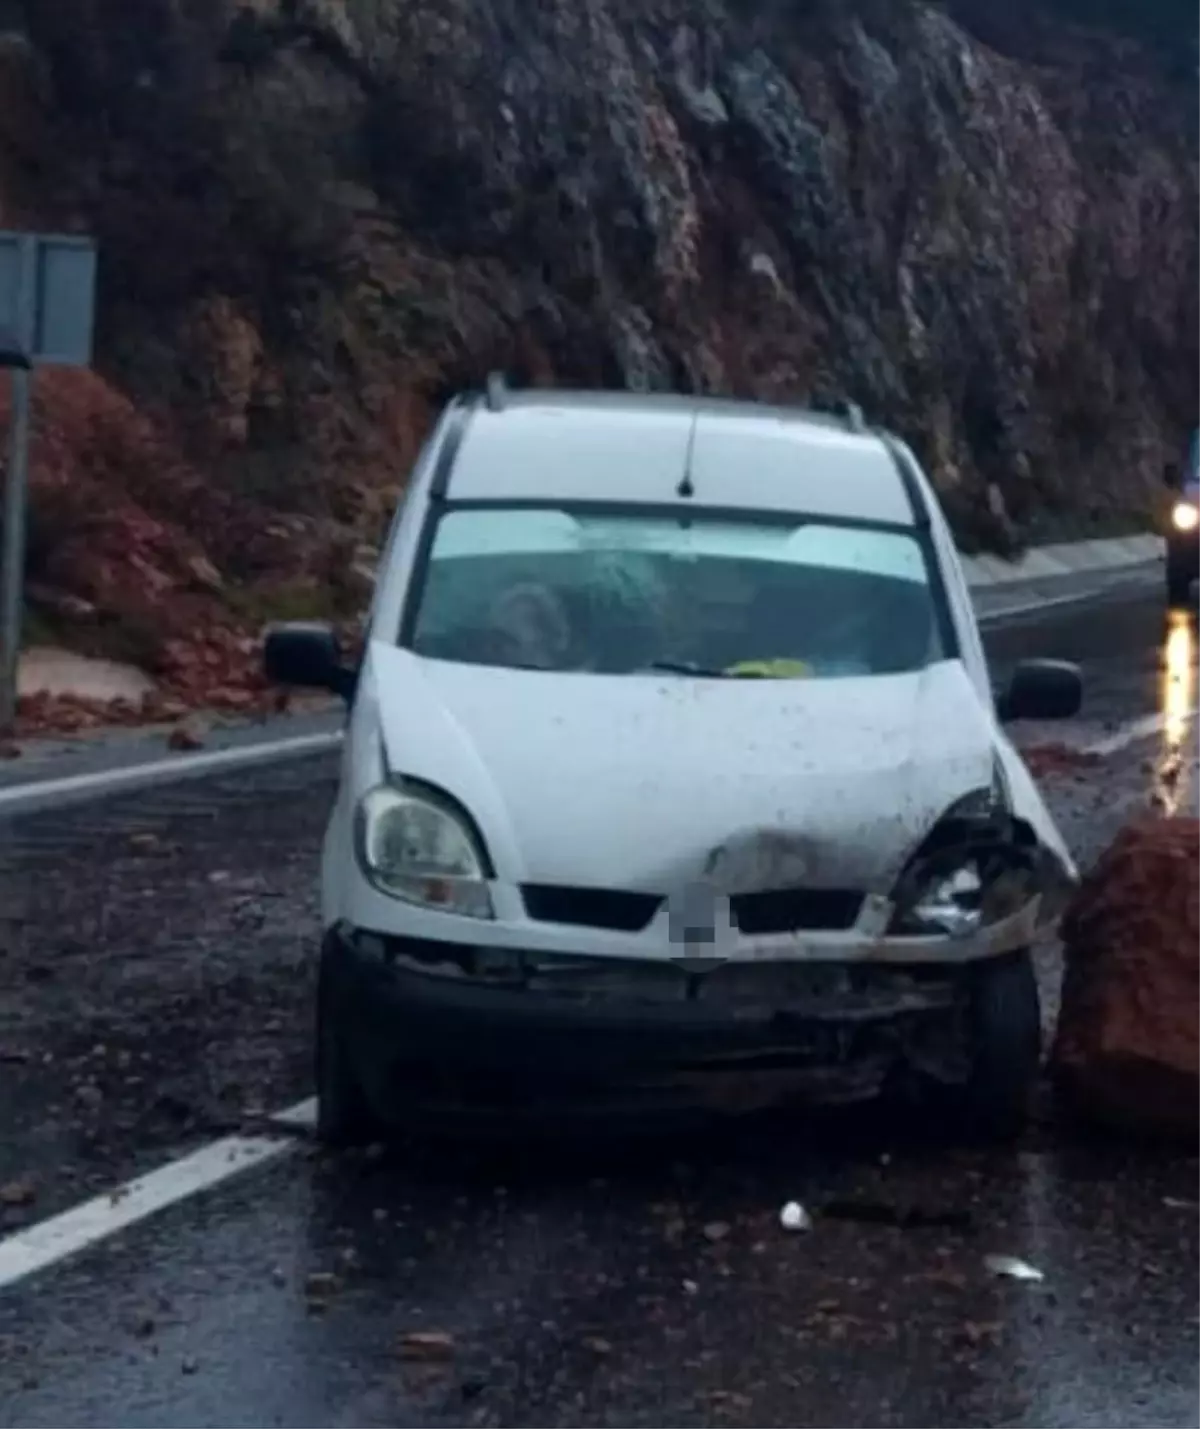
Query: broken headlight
point(951, 903)
point(412, 844)
point(970, 872)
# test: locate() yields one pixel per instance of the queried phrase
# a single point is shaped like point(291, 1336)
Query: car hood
point(639, 782)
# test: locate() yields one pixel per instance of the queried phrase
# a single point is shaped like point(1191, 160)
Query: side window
point(962, 605)
point(385, 556)
point(958, 592)
point(381, 565)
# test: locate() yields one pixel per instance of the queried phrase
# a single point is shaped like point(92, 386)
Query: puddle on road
point(1114, 1322)
point(1177, 701)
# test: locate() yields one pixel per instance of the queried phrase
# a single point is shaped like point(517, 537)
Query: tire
point(1179, 578)
point(1004, 1021)
point(1003, 1036)
point(344, 1115)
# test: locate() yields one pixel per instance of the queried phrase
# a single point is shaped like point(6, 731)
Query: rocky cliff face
point(318, 217)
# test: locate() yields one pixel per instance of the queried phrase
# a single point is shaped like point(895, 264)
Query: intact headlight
point(413, 846)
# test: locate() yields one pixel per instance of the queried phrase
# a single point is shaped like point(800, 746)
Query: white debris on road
point(794, 1217)
point(1010, 1266)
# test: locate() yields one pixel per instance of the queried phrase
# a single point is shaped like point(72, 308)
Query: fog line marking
point(129, 778)
point(1004, 613)
point(1116, 591)
point(42, 1245)
point(300, 1117)
point(1136, 729)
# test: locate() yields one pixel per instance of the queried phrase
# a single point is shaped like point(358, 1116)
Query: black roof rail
point(851, 413)
point(842, 409)
point(496, 390)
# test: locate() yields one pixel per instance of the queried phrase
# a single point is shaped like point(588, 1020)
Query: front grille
point(614, 908)
point(794, 910)
point(785, 910)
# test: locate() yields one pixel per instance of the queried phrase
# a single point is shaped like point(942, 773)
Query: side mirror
point(308, 655)
point(1170, 475)
point(1042, 689)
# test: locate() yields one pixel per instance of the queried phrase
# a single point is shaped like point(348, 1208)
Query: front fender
point(362, 767)
point(1029, 806)
point(1025, 836)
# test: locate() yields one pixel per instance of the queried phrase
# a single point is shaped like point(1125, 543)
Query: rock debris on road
point(156, 977)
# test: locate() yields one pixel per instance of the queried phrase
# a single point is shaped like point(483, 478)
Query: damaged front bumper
point(439, 1027)
point(869, 941)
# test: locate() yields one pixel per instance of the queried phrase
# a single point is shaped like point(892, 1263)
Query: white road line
point(1117, 588)
point(301, 1117)
point(1027, 607)
point(22, 798)
point(27, 1251)
point(1145, 728)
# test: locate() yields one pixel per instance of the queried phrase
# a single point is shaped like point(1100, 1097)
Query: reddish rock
point(1127, 1052)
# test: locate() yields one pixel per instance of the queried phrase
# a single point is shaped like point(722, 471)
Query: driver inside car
point(532, 629)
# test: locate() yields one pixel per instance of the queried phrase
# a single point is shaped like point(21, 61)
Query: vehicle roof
point(635, 448)
point(684, 403)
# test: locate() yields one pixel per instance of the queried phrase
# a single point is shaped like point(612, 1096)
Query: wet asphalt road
point(155, 990)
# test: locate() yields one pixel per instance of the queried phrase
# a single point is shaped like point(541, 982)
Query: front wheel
point(344, 1116)
point(1002, 1040)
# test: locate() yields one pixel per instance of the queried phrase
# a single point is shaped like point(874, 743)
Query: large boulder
point(1127, 1051)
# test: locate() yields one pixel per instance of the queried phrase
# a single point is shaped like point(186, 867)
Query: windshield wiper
point(701, 672)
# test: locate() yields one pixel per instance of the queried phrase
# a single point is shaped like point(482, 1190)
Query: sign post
point(47, 308)
point(14, 355)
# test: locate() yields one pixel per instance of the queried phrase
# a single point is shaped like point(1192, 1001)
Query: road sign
point(47, 315)
point(47, 288)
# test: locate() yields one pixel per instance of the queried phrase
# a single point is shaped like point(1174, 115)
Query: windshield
point(625, 593)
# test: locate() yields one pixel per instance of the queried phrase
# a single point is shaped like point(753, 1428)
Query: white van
point(673, 774)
